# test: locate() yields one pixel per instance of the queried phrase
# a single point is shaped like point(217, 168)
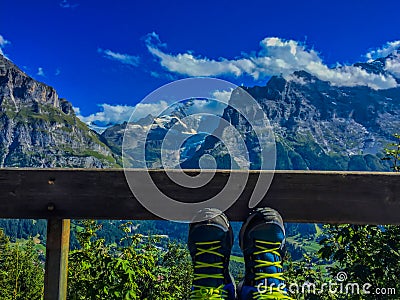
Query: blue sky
point(116, 52)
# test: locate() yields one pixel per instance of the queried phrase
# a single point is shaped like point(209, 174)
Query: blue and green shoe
point(210, 243)
point(262, 238)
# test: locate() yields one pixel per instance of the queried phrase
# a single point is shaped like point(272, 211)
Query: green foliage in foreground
point(21, 272)
point(140, 270)
point(392, 153)
point(367, 256)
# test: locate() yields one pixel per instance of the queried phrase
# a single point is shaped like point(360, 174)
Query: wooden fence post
point(56, 269)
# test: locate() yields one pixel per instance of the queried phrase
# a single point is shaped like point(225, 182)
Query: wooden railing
point(59, 195)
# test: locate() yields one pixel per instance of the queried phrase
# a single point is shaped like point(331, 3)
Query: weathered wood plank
point(301, 196)
point(56, 269)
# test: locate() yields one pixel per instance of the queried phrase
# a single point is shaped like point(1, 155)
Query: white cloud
point(276, 57)
point(296, 79)
point(117, 114)
point(108, 114)
point(154, 39)
point(187, 64)
point(393, 65)
point(144, 109)
point(66, 4)
point(77, 110)
point(57, 72)
point(3, 43)
point(162, 75)
point(122, 58)
point(387, 49)
point(40, 72)
point(206, 107)
point(223, 96)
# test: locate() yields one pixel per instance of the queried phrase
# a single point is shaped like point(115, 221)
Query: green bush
point(21, 272)
point(139, 270)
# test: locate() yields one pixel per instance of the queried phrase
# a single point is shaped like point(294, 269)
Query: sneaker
point(262, 238)
point(210, 243)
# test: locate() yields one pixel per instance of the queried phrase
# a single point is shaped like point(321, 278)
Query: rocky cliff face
point(342, 120)
point(39, 129)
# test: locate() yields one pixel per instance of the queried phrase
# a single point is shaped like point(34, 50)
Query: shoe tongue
point(209, 282)
point(268, 232)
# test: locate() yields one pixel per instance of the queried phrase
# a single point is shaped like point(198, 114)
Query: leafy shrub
point(21, 272)
point(138, 269)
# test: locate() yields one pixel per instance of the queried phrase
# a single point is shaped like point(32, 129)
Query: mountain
point(318, 126)
point(174, 121)
point(380, 65)
point(39, 129)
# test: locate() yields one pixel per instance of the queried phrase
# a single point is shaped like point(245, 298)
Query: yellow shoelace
point(269, 292)
point(204, 292)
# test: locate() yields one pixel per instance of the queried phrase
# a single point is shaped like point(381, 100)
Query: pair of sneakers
point(262, 238)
